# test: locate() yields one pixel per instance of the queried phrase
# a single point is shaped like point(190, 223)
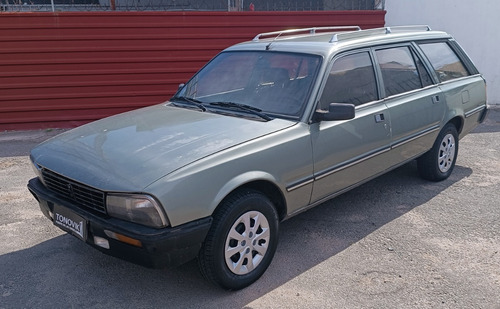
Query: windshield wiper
point(192, 101)
point(243, 107)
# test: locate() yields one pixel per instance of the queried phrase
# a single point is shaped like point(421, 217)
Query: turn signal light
point(123, 238)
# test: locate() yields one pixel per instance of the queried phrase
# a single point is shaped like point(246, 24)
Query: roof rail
point(408, 28)
point(385, 30)
point(313, 30)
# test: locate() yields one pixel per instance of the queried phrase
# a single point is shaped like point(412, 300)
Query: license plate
point(70, 222)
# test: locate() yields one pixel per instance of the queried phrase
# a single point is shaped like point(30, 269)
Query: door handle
point(379, 118)
point(435, 99)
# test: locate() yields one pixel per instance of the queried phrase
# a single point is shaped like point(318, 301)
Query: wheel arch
point(458, 122)
point(267, 188)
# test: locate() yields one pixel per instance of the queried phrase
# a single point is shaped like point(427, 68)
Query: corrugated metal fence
point(188, 5)
point(66, 69)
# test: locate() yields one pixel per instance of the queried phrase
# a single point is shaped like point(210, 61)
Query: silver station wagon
point(267, 129)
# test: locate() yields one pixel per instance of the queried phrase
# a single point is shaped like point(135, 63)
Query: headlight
point(141, 209)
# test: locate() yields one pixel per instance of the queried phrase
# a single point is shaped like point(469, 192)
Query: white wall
point(475, 25)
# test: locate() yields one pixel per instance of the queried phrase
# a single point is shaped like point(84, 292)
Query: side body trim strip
point(474, 111)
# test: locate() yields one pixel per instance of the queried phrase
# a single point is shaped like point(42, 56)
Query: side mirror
point(336, 111)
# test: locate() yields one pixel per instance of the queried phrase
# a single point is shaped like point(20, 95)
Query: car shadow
point(64, 272)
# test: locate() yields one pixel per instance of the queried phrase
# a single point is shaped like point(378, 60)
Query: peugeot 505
point(267, 129)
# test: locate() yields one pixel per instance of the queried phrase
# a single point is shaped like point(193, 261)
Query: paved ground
point(395, 242)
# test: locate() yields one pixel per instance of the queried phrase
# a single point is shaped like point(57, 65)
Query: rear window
point(444, 60)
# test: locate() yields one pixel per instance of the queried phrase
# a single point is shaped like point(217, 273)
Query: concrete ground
point(395, 242)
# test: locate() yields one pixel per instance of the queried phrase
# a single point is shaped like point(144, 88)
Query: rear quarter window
point(444, 60)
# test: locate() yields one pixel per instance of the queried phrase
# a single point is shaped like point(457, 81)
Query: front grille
point(82, 195)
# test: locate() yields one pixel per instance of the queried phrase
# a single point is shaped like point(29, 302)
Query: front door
point(348, 152)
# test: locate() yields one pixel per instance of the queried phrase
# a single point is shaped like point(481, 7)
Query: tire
point(437, 164)
point(241, 242)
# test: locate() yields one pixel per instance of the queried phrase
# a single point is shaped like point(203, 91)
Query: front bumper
point(158, 248)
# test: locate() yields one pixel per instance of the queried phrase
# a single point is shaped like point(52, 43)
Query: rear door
point(415, 103)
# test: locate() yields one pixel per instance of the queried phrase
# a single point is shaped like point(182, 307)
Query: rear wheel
point(437, 164)
point(241, 242)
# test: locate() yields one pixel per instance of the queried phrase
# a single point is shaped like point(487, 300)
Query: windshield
point(275, 83)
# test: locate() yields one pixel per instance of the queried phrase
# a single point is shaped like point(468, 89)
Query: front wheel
point(438, 163)
point(241, 242)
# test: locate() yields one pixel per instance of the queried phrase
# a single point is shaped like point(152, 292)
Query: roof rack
point(313, 30)
point(385, 30)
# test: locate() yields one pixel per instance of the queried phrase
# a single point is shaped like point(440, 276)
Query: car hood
point(129, 151)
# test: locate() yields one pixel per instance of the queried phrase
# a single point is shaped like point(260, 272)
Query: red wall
point(65, 69)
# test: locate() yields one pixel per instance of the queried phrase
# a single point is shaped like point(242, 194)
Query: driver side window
point(351, 80)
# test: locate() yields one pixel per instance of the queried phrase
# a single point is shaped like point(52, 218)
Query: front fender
point(195, 191)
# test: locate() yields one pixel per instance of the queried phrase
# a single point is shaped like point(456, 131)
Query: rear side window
point(351, 80)
point(444, 60)
point(399, 71)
